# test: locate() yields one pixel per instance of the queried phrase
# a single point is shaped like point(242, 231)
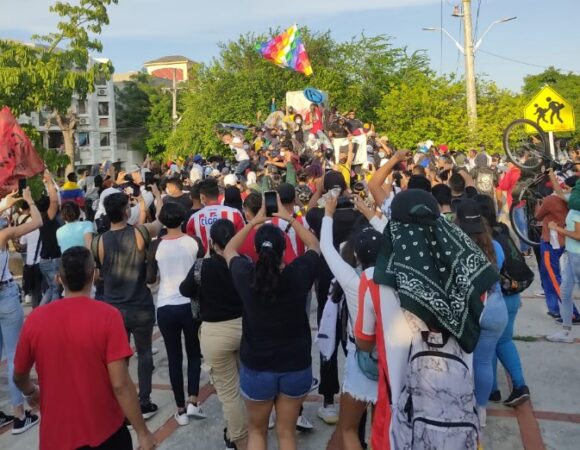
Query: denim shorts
point(264, 386)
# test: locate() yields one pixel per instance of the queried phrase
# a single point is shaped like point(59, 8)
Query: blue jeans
point(506, 350)
point(49, 269)
point(551, 278)
point(492, 324)
point(241, 168)
point(570, 277)
point(11, 319)
point(522, 224)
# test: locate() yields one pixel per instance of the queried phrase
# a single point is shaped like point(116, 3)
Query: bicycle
point(529, 152)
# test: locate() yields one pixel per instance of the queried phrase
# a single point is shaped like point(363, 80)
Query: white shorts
point(355, 383)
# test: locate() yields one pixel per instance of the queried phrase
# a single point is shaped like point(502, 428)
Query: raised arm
point(303, 234)
point(378, 179)
point(15, 232)
point(52, 195)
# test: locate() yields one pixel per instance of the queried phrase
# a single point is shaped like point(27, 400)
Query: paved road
point(551, 421)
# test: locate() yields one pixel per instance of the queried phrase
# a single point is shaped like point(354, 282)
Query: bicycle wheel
point(526, 150)
point(522, 216)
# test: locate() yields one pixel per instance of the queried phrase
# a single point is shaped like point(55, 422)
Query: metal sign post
point(552, 146)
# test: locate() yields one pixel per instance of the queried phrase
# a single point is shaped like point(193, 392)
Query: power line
point(441, 40)
point(477, 20)
point(523, 62)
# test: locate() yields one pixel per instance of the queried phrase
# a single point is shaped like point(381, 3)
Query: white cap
point(230, 180)
point(195, 174)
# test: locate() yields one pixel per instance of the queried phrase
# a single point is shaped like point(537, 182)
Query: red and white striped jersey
point(297, 244)
point(200, 223)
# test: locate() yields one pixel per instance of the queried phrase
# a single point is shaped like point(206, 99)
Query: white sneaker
point(195, 411)
point(303, 424)
point(561, 336)
point(482, 414)
point(28, 299)
point(154, 350)
point(539, 293)
point(328, 414)
point(272, 420)
point(181, 419)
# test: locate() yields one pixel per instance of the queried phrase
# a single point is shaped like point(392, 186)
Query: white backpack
point(436, 409)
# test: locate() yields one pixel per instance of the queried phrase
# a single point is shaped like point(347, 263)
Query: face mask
point(381, 154)
point(298, 122)
point(246, 147)
point(282, 153)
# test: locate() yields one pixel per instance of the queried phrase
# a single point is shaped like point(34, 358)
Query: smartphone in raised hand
point(271, 201)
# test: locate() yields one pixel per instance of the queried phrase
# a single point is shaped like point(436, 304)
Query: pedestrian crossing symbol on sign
point(550, 111)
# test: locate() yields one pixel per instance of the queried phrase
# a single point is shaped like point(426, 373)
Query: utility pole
point(174, 94)
point(469, 70)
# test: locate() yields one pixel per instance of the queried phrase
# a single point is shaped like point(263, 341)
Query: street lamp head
point(507, 19)
point(430, 29)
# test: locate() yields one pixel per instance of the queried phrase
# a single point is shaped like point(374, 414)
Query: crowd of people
point(408, 256)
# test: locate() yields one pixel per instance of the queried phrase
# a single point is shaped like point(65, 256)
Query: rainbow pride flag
point(287, 50)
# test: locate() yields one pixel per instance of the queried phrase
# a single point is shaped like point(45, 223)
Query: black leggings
point(121, 440)
point(173, 321)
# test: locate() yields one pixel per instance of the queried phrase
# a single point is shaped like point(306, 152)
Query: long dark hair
point(485, 243)
point(270, 245)
point(221, 232)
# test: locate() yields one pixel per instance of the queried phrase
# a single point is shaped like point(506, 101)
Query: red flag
point(18, 158)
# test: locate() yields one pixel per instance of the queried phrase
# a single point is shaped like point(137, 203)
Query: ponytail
point(270, 245)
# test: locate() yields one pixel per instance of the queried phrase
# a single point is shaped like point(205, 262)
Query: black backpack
point(515, 275)
point(485, 181)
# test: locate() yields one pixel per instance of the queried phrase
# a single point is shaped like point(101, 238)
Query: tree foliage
point(239, 83)
point(57, 66)
point(434, 108)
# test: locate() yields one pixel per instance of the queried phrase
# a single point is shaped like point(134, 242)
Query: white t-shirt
point(31, 241)
point(174, 259)
point(241, 154)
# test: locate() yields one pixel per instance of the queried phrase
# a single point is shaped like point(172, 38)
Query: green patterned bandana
point(438, 272)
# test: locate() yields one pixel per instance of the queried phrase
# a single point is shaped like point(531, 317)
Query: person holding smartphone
point(276, 340)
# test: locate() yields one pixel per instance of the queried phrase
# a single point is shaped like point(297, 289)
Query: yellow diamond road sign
point(550, 111)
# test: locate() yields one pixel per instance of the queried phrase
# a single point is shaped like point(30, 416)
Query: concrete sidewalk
point(550, 421)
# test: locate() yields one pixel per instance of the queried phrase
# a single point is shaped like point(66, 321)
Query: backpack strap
point(144, 232)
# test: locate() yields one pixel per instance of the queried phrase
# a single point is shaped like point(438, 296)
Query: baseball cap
point(367, 244)
point(469, 217)
point(287, 193)
point(333, 179)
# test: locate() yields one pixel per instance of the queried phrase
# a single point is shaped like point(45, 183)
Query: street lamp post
point(468, 50)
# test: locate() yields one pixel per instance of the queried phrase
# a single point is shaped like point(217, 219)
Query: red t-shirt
point(71, 341)
point(248, 248)
point(508, 183)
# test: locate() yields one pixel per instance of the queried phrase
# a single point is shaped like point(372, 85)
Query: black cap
point(287, 193)
point(469, 216)
point(367, 245)
point(334, 179)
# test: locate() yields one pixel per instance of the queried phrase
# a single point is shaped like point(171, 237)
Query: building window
point(103, 108)
point(82, 107)
point(104, 122)
point(105, 139)
point(101, 80)
point(84, 140)
point(55, 139)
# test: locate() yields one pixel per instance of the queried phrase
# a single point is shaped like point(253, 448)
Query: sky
point(544, 34)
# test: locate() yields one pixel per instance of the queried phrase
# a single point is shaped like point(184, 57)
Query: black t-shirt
point(184, 200)
point(276, 333)
point(218, 299)
point(346, 220)
point(339, 131)
point(47, 232)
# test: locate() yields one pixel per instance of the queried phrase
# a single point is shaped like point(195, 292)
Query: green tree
point(49, 74)
point(239, 83)
point(434, 108)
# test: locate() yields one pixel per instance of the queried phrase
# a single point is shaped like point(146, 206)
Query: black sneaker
point(495, 397)
point(553, 315)
point(22, 425)
point(149, 410)
point(518, 396)
point(575, 320)
point(229, 444)
point(5, 420)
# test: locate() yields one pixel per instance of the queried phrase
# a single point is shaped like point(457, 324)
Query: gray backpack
point(436, 409)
